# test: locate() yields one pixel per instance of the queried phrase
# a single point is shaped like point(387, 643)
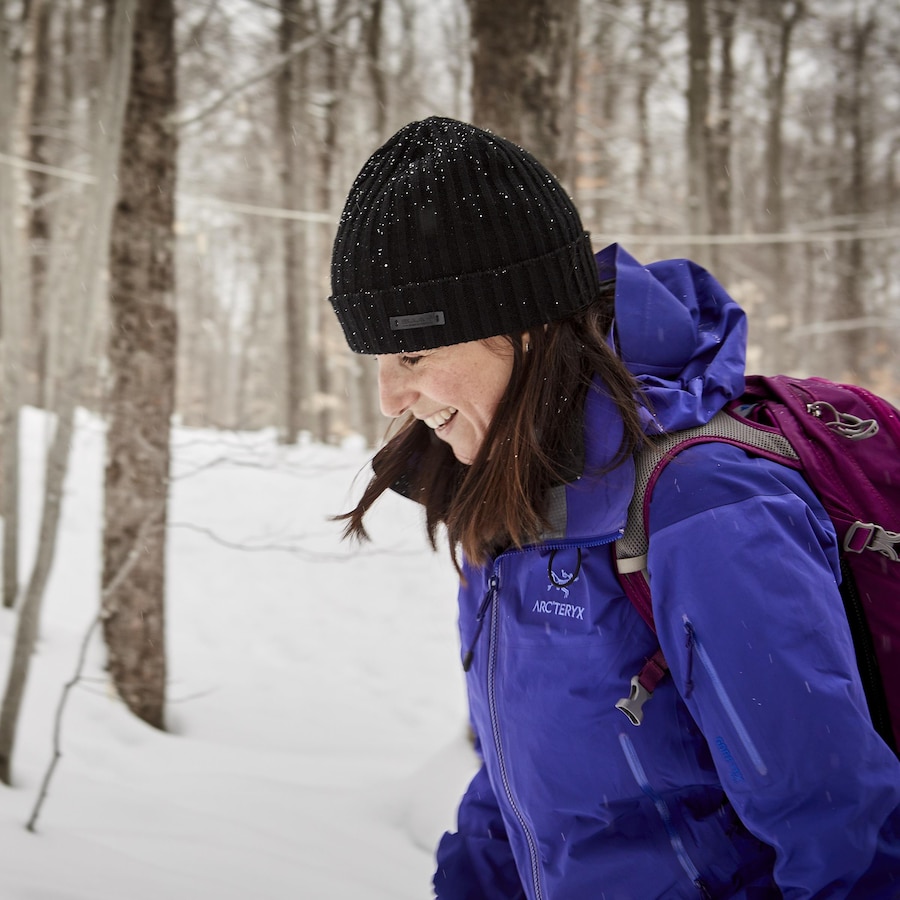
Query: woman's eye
point(410, 361)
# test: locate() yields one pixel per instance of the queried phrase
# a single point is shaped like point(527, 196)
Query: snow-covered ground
point(316, 744)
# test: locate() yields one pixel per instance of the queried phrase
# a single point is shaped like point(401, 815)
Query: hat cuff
point(470, 307)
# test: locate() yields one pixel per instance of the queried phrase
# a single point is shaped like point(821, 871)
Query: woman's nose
point(394, 393)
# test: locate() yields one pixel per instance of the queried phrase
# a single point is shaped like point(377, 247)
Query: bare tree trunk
point(372, 422)
point(409, 59)
point(39, 221)
point(720, 134)
point(852, 277)
point(328, 372)
point(245, 340)
point(698, 104)
point(776, 54)
point(598, 113)
point(645, 78)
point(11, 298)
point(15, 259)
point(524, 57)
point(296, 391)
point(142, 355)
point(375, 68)
point(88, 261)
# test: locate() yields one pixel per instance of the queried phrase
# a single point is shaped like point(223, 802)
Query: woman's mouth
point(439, 419)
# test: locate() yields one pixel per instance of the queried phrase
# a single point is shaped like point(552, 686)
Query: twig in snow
point(57, 725)
point(128, 564)
point(295, 550)
point(279, 467)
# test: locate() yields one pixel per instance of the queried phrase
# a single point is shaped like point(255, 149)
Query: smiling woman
point(524, 373)
point(447, 273)
point(454, 390)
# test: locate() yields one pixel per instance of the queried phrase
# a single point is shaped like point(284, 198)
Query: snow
point(316, 742)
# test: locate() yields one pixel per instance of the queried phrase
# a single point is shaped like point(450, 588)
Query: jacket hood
point(684, 340)
point(679, 334)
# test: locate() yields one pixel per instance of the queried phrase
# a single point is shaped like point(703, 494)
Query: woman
point(524, 372)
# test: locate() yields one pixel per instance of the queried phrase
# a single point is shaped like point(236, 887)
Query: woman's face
point(455, 390)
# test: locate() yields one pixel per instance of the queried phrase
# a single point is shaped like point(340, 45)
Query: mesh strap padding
point(723, 427)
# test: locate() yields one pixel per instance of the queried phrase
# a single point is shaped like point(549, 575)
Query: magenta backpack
point(846, 443)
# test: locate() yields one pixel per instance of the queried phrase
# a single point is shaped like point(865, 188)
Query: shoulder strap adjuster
point(869, 536)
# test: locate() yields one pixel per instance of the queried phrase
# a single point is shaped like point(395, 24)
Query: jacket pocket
point(696, 655)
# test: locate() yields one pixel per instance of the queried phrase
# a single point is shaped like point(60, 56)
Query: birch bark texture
point(524, 67)
point(142, 353)
point(288, 88)
point(88, 263)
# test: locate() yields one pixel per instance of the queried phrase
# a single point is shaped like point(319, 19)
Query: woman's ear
point(526, 341)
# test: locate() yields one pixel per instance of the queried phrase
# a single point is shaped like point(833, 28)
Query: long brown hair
point(498, 500)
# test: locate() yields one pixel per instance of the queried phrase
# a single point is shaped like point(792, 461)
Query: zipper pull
point(689, 646)
point(493, 587)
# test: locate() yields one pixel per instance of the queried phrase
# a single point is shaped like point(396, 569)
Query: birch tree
point(853, 131)
point(16, 98)
point(88, 262)
point(524, 55)
point(698, 109)
point(142, 353)
point(39, 224)
point(11, 300)
point(296, 369)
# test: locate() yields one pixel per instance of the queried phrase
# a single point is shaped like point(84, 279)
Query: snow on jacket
point(756, 772)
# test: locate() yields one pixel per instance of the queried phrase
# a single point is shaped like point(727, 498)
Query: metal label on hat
point(420, 320)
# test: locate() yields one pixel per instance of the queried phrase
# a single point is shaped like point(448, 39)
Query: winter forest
point(231, 694)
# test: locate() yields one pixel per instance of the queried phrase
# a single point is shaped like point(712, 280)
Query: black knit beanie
point(453, 234)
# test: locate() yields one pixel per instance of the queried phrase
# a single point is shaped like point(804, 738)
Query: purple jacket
point(756, 772)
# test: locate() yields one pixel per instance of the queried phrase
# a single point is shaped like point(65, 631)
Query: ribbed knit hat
point(453, 234)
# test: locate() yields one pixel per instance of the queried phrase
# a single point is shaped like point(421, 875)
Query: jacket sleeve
point(743, 565)
point(476, 863)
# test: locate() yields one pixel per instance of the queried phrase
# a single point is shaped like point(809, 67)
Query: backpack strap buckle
point(642, 687)
point(869, 536)
point(633, 704)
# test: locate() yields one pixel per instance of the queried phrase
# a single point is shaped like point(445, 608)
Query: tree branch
point(147, 527)
point(291, 548)
point(281, 60)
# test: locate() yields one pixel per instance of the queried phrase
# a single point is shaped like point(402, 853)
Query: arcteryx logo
point(555, 608)
point(563, 579)
point(560, 579)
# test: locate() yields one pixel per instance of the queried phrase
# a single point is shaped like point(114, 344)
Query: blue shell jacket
point(756, 772)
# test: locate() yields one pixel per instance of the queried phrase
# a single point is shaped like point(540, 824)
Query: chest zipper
point(486, 603)
point(495, 729)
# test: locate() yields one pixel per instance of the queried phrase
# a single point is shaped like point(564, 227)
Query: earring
point(527, 346)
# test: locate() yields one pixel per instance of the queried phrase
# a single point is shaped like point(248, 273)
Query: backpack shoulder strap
point(729, 427)
point(631, 548)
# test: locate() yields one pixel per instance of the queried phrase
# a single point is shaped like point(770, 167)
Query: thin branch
point(292, 471)
point(195, 33)
point(304, 553)
point(279, 62)
point(28, 165)
point(147, 526)
point(249, 209)
point(836, 326)
point(806, 233)
point(187, 698)
point(864, 234)
point(57, 724)
point(268, 212)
